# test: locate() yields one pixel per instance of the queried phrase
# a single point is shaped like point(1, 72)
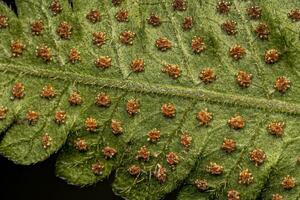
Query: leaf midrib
point(270, 105)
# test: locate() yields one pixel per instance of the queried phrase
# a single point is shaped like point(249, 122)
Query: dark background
point(38, 182)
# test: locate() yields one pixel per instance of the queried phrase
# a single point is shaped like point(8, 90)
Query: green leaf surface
point(80, 141)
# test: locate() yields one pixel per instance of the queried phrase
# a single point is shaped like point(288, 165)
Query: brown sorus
point(64, 30)
point(116, 127)
point(153, 135)
point(3, 112)
point(80, 144)
point(97, 168)
point(294, 15)
point(46, 141)
point(3, 21)
point(276, 128)
point(109, 152)
point(187, 23)
point(74, 56)
point(99, 38)
point(102, 99)
point(32, 116)
point(258, 156)
point(214, 169)
point(143, 154)
point(37, 27)
point(154, 20)
point(91, 124)
point(134, 170)
point(262, 31)
point(122, 15)
point(245, 177)
point(201, 184)
point(204, 117)
point(137, 65)
point(198, 45)
point(127, 37)
point(288, 182)
point(277, 197)
point(186, 140)
point(229, 27)
point(163, 44)
point(207, 75)
point(48, 92)
point(272, 56)
point(160, 173)
point(223, 7)
point(103, 62)
point(44, 52)
point(228, 145)
point(94, 16)
point(282, 84)
point(60, 117)
point(117, 2)
point(237, 52)
point(133, 107)
point(179, 5)
point(243, 79)
point(254, 12)
point(172, 159)
point(17, 48)
point(172, 70)
point(233, 195)
point(18, 91)
point(168, 110)
point(75, 98)
point(237, 122)
point(55, 7)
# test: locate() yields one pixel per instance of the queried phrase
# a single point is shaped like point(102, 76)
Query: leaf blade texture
point(201, 97)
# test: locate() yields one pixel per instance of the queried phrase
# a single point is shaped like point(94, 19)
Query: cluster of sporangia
point(207, 75)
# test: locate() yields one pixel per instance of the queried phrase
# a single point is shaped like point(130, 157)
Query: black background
point(39, 181)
